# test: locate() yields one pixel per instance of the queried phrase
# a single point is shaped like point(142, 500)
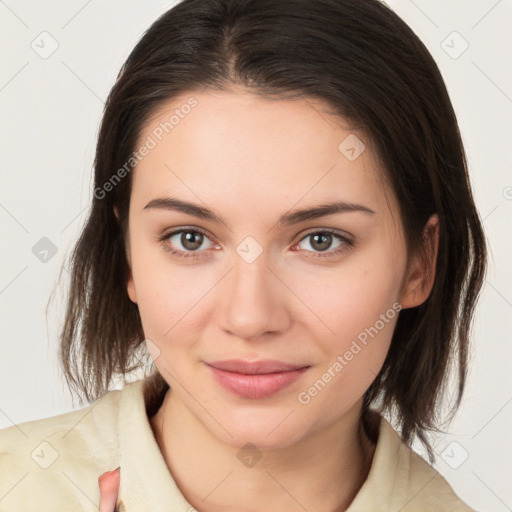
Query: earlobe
point(130, 284)
point(130, 287)
point(422, 269)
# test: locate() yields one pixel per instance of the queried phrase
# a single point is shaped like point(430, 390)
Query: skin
point(108, 483)
point(250, 160)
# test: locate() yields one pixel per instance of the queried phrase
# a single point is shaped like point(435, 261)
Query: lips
point(255, 367)
point(256, 379)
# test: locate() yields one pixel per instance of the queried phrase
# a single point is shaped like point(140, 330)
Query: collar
point(147, 484)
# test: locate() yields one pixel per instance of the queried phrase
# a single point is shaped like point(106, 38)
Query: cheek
point(358, 306)
point(159, 292)
point(170, 297)
point(352, 364)
point(342, 301)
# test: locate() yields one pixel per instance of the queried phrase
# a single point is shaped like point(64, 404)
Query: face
point(251, 280)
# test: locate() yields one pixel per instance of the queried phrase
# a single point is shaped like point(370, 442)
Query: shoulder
point(400, 479)
point(428, 487)
point(47, 462)
point(423, 487)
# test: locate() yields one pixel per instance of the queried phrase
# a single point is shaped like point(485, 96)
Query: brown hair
point(366, 63)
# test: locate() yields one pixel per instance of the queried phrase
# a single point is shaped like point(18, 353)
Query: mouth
point(255, 379)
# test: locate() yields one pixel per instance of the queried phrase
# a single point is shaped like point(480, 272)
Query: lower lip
point(255, 386)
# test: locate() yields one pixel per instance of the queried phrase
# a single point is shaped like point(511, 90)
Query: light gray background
point(50, 108)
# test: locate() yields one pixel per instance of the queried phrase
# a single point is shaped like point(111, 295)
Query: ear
point(422, 268)
point(130, 285)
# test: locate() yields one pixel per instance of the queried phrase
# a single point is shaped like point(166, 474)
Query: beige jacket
point(53, 464)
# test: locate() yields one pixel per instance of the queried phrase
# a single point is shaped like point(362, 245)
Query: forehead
point(238, 147)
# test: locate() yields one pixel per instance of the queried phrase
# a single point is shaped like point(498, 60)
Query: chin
point(272, 430)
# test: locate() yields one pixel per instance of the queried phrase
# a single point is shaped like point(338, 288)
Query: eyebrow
point(287, 219)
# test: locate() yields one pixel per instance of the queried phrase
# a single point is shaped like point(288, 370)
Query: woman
point(282, 218)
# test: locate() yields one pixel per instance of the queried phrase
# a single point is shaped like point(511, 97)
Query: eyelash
point(344, 247)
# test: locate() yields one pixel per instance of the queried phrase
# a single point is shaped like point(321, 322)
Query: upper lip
point(255, 367)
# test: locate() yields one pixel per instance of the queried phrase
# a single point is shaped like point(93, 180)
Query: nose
point(255, 300)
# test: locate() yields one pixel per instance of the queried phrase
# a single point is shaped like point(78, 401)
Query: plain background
point(50, 108)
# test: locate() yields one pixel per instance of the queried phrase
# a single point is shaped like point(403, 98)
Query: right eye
point(190, 240)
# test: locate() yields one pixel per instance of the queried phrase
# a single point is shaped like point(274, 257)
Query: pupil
point(187, 239)
point(326, 241)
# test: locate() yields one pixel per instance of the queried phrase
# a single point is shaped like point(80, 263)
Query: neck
point(324, 471)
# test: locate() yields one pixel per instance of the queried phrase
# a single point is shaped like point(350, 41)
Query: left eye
point(321, 242)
